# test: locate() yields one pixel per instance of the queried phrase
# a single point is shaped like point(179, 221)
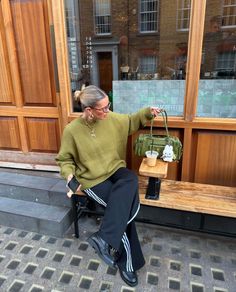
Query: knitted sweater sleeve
point(139, 119)
point(65, 156)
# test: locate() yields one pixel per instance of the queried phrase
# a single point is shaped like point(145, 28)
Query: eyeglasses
point(105, 109)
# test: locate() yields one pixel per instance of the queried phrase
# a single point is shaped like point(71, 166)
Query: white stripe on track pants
point(119, 195)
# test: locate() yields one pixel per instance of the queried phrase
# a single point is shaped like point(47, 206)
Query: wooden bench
point(175, 195)
point(193, 197)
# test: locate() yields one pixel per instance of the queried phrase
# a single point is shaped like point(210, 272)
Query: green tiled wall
point(216, 98)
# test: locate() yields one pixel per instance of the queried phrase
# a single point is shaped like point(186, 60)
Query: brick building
point(149, 39)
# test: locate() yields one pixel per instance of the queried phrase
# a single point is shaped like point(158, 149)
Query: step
point(35, 217)
point(44, 190)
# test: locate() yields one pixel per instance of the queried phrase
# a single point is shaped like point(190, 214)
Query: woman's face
point(102, 109)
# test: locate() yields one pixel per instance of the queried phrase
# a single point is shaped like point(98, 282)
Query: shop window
point(102, 15)
point(229, 13)
point(135, 69)
point(148, 15)
point(183, 14)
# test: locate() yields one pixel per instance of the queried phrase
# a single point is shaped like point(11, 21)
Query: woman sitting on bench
point(93, 150)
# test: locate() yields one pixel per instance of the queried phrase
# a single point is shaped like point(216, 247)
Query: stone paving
point(176, 260)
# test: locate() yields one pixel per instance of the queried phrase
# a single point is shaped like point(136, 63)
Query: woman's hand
point(70, 193)
point(155, 111)
point(69, 177)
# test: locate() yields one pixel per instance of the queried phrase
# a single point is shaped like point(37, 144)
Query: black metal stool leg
point(74, 201)
point(153, 190)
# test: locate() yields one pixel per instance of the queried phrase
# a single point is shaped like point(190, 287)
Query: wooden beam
point(193, 67)
point(23, 135)
point(62, 59)
point(50, 112)
point(186, 159)
point(200, 123)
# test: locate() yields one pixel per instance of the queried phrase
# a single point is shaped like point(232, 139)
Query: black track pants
point(119, 194)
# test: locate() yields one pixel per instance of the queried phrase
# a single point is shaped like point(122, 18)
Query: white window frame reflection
point(102, 17)
point(183, 15)
point(148, 64)
point(227, 15)
point(148, 19)
point(226, 61)
point(73, 41)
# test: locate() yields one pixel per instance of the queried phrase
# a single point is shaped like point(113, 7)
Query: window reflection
point(148, 15)
point(229, 13)
point(73, 42)
point(117, 45)
point(183, 14)
point(217, 87)
point(102, 17)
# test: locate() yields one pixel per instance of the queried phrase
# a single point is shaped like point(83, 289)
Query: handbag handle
point(165, 121)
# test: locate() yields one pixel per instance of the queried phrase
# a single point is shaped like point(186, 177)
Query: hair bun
point(77, 95)
point(78, 92)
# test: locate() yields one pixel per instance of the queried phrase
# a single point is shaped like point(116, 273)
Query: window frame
point(157, 17)
point(222, 15)
point(226, 59)
point(182, 9)
point(153, 64)
point(95, 2)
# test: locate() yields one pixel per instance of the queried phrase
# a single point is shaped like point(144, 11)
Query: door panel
point(9, 131)
point(6, 96)
point(32, 42)
point(43, 134)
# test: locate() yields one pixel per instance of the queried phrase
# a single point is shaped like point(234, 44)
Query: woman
point(93, 149)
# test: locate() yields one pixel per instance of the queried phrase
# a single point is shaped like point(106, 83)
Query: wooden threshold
point(21, 160)
point(29, 166)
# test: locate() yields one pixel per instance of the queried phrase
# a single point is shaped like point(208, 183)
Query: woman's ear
point(88, 113)
point(87, 110)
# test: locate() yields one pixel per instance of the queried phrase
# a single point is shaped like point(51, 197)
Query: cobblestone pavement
point(176, 260)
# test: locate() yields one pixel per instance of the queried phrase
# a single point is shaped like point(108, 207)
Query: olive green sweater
point(93, 159)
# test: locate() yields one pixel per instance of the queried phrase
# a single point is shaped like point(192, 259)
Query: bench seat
point(193, 197)
point(177, 195)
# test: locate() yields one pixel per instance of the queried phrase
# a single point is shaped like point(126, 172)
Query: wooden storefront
point(30, 115)
point(35, 97)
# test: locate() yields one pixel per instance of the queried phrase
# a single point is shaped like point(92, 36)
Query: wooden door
point(29, 106)
point(105, 71)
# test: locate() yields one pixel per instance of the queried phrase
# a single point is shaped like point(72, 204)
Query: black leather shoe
point(130, 278)
point(102, 248)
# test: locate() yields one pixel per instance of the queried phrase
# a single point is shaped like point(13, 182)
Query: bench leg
point(153, 189)
point(74, 202)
